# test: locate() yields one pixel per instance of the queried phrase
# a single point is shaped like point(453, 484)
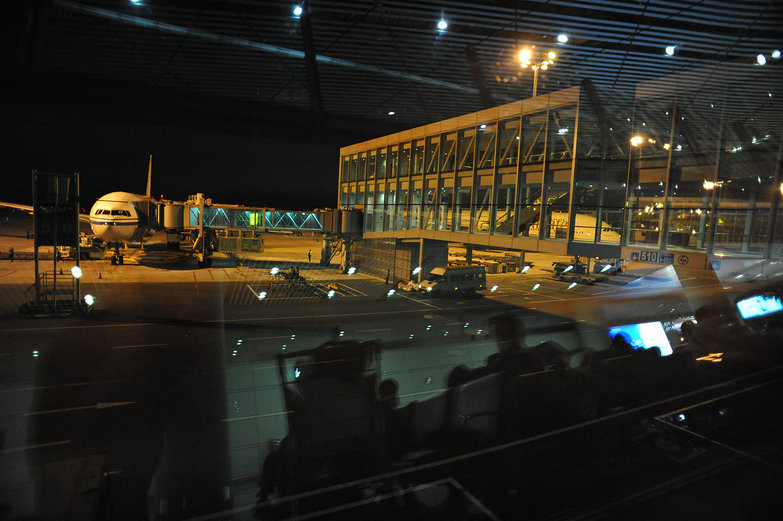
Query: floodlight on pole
point(528, 58)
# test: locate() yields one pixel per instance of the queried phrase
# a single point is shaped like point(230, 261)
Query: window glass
point(371, 164)
point(462, 209)
point(379, 210)
point(504, 210)
point(448, 148)
point(415, 209)
point(481, 210)
point(428, 206)
point(508, 145)
point(405, 160)
point(418, 157)
point(444, 208)
point(393, 162)
point(533, 139)
point(401, 210)
point(345, 169)
point(466, 148)
point(361, 166)
point(353, 167)
point(432, 154)
point(380, 170)
point(485, 145)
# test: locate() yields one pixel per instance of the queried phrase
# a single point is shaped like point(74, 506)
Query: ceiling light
point(670, 50)
point(562, 38)
point(443, 25)
point(761, 59)
point(391, 113)
point(297, 10)
point(776, 54)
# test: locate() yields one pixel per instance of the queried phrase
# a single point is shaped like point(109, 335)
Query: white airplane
point(584, 228)
point(118, 218)
point(122, 217)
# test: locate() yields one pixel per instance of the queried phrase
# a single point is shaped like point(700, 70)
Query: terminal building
point(676, 177)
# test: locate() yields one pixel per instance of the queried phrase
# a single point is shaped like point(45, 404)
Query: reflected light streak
point(257, 46)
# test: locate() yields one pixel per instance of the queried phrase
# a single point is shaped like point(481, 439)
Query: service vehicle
point(455, 279)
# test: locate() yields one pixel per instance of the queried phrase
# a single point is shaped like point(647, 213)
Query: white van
point(455, 279)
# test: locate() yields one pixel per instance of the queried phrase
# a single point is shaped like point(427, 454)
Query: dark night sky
point(233, 152)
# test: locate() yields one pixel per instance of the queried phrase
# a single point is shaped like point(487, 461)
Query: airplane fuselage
point(584, 228)
point(122, 217)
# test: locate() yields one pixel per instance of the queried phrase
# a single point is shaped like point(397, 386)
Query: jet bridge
point(239, 229)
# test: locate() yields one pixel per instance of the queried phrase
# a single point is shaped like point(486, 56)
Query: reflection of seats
point(336, 425)
point(552, 399)
point(476, 407)
point(642, 377)
point(427, 419)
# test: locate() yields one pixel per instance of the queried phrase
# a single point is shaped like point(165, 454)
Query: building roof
point(364, 60)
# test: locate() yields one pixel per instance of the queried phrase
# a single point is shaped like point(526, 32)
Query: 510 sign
point(653, 257)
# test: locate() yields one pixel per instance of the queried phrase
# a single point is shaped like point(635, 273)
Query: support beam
point(257, 46)
point(603, 118)
point(690, 136)
point(313, 81)
point(480, 77)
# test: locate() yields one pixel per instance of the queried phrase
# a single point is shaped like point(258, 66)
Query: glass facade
point(558, 168)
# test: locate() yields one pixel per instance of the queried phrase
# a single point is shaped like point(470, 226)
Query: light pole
point(527, 58)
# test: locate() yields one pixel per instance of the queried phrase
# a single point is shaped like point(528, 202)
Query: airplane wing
point(83, 217)
point(24, 207)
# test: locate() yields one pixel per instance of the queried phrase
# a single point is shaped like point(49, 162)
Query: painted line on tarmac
point(97, 406)
point(38, 446)
point(266, 337)
point(267, 415)
point(195, 283)
point(42, 387)
point(135, 346)
point(339, 315)
point(418, 301)
point(38, 329)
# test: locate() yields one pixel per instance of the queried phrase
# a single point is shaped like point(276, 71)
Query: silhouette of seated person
point(620, 346)
point(740, 346)
point(716, 332)
point(513, 355)
point(396, 421)
point(335, 422)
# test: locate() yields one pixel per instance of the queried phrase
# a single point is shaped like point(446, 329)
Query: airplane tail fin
point(149, 179)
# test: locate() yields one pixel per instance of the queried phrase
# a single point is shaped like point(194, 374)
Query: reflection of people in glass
point(512, 353)
point(620, 346)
